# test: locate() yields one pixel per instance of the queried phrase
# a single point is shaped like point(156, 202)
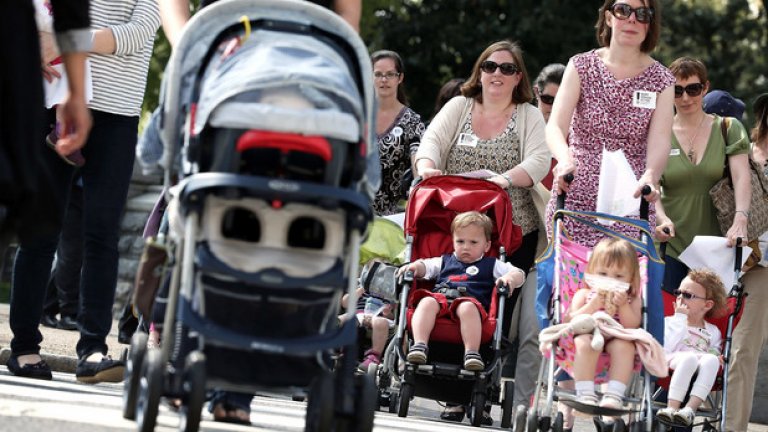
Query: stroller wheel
point(320, 409)
point(366, 403)
point(533, 421)
point(373, 370)
point(393, 402)
point(150, 390)
point(132, 374)
point(557, 425)
point(521, 415)
point(478, 405)
point(194, 387)
point(406, 392)
point(507, 407)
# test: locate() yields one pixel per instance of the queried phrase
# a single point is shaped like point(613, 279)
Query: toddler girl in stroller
point(464, 288)
point(692, 345)
point(612, 283)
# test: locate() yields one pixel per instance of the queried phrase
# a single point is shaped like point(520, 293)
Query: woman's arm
point(659, 143)
point(175, 14)
point(130, 37)
point(536, 157)
point(559, 122)
point(663, 223)
point(741, 177)
point(350, 11)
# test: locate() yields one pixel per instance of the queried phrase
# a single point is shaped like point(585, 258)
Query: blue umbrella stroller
point(268, 122)
point(560, 269)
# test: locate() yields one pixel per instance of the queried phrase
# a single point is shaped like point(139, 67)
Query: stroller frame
point(640, 401)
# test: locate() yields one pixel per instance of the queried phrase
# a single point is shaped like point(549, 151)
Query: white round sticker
point(472, 270)
point(397, 131)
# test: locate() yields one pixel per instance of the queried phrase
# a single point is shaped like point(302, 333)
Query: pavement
point(58, 346)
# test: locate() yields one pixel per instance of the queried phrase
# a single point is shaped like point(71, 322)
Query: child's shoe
point(371, 357)
point(684, 416)
point(666, 414)
point(473, 361)
point(587, 399)
point(417, 354)
point(612, 401)
point(75, 158)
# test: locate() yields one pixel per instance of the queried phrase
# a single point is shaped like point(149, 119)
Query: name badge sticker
point(466, 139)
point(644, 99)
point(674, 152)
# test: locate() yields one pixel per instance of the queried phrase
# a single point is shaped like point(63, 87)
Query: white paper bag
point(617, 184)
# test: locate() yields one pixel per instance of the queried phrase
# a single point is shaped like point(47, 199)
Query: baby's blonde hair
point(615, 252)
point(473, 218)
point(715, 289)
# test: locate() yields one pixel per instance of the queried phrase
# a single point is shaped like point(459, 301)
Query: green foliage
point(441, 39)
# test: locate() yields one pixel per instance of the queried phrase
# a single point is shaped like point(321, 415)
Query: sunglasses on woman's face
point(490, 67)
point(693, 90)
point(623, 11)
point(686, 295)
point(546, 99)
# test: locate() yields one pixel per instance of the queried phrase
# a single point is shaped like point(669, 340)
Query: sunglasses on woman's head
point(687, 295)
point(489, 66)
point(693, 90)
point(623, 11)
point(547, 99)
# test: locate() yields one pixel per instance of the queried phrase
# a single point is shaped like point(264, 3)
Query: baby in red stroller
point(465, 282)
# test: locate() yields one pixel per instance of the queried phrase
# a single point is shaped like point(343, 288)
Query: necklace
point(691, 153)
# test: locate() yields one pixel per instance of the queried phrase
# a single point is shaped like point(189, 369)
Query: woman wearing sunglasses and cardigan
point(493, 126)
point(616, 98)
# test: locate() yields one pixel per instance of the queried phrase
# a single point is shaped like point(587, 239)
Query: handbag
point(725, 203)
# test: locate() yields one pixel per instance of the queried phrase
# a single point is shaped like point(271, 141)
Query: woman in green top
point(696, 162)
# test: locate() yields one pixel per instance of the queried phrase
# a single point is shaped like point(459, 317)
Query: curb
point(58, 363)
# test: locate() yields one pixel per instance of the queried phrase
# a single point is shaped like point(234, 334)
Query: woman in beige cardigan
point(493, 126)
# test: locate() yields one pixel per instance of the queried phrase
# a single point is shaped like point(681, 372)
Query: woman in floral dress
point(398, 131)
point(616, 97)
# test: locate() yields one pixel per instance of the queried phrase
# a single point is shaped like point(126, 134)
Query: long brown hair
point(759, 133)
point(604, 32)
point(522, 92)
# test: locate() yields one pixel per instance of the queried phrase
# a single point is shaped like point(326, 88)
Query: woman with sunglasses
point(750, 336)
point(398, 131)
point(699, 151)
point(493, 126)
point(616, 98)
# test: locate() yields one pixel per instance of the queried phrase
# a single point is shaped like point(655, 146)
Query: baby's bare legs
point(471, 327)
point(622, 359)
point(585, 358)
point(423, 320)
point(379, 334)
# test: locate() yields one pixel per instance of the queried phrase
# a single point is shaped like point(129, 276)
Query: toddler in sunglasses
point(692, 344)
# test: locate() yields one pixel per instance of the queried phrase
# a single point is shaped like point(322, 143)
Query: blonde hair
point(715, 289)
point(473, 218)
point(614, 252)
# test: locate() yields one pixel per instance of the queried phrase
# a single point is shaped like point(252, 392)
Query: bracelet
point(507, 178)
point(744, 212)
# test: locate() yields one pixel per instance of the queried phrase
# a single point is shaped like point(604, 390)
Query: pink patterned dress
point(605, 117)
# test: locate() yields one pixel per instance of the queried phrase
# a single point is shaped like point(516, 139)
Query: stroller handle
point(561, 198)
point(739, 250)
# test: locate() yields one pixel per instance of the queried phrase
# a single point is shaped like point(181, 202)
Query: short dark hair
point(399, 66)
point(522, 93)
point(604, 32)
point(448, 91)
point(551, 74)
point(686, 67)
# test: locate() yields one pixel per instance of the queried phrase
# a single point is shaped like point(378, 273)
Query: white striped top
point(119, 79)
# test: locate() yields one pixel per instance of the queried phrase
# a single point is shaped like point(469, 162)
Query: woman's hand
point(738, 229)
point(647, 179)
point(665, 229)
point(426, 173)
point(566, 166)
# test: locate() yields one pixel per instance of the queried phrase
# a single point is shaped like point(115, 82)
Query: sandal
point(473, 361)
point(418, 353)
point(453, 413)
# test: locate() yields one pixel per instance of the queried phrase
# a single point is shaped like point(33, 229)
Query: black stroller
point(270, 103)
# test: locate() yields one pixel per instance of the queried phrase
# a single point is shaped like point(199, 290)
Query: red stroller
point(713, 410)
point(431, 208)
